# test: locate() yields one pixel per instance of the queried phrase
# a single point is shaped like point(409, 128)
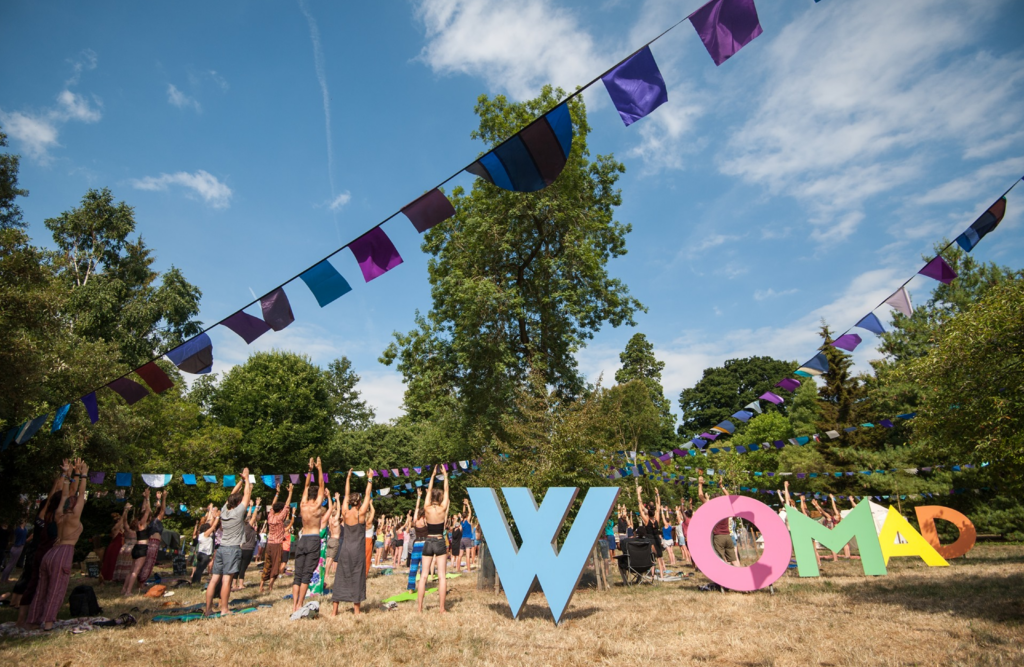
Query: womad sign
point(558, 571)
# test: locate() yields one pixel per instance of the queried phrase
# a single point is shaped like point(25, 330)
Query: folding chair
point(636, 564)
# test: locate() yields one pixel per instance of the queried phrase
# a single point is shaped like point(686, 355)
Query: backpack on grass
point(83, 602)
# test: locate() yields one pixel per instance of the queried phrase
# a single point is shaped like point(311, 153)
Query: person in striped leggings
point(55, 569)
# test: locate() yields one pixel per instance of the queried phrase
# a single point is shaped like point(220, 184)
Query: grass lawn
point(970, 613)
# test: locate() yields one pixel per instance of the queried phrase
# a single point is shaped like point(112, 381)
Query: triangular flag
point(900, 300)
point(326, 284)
point(817, 365)
point(155, 377)
point(847, 342)
point(988, 221)
point(58, 419)
point(789, 384)
point(277, 311)
point(30, 429)
point(429, 210)
point(772, 397)
point(755, 406)
point(194, 355)
point(375, 253)
point(156, 481)
point(189, 480)
point(245, 325)
point(636, 86)
point(726, 26)
point(130, 390)
point(939, 270)
point(870, 322)
point(123, 479)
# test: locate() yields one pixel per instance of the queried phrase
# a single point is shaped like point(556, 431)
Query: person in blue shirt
point(468, 537)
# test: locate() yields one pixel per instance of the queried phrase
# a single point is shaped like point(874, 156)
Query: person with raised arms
point(141, 549)
point(682, 524)
point(113, 549)
point(419, 530)
point(276, 515)
point(435, 512)
point(228, 559)
point(334, 528)
point(721, 539)
point(156, 536)
point(55, 568)
point(369, 535)
point(350, 574)
point(306, 551)
point(249, 539)
point(204, 546)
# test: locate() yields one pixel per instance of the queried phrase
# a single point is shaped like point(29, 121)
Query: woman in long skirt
point(123, 567)
point(110, 556)
point(350, 575)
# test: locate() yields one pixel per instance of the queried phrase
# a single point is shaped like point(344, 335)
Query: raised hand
point(290, 487)
point(245, 474)
point(311, 463)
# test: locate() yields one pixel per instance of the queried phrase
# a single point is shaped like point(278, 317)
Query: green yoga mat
point(196, 617)
point(407, 596)
point(199, 606)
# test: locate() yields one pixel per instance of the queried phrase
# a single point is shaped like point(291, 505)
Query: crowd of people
point(324, 538)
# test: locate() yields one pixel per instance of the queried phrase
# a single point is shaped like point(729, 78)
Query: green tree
point(639, 363)
point(804, 411)
point(519, 281)
point(972, 408)
point(768, 427)
point(632, 420)
point(350, 411)
point(113, 289)
point(841, 390)
point(283, 406)
point(10, 212)
point(724, 390)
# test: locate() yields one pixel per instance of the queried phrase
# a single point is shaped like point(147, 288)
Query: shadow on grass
point(531, 611)
point(990, 597)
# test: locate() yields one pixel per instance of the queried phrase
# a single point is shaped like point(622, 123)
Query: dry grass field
point(971, 613)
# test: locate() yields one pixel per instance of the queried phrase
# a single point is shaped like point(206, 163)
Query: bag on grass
point(83, 602)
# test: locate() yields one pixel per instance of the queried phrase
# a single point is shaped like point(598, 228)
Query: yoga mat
point(164, 618)
point(407, 596)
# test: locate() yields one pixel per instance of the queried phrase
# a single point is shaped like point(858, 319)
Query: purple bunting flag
point(772, 397)
point(429, 210)
point(375, 253)
point(249, 328)
point(726, 26)
point(636, 86)
point(847, 342)
point(130, 390)
point(939, 270)
point(277, 311)
point(97, 477)
point(89, 401)
point(789, 384)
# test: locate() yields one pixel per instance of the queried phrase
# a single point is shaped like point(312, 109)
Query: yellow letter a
point(915, 546)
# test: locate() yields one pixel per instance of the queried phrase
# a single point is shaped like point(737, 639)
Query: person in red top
point(720, 537)
point(277, 514)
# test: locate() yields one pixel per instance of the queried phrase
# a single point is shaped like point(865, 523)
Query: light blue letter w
point(538, 558)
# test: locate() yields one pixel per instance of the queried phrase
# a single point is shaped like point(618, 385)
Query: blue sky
point(801, 179)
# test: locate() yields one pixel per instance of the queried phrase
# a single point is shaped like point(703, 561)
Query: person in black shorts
point(456, 542)
point(435, 511)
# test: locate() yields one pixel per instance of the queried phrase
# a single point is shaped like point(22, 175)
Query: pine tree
point(639, 363)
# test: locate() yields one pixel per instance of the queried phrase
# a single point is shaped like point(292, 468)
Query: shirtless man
point(334, 526)
point(306, 552)
point(277, 515)
point(55, 569)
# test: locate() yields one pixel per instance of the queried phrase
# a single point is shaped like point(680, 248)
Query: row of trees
point(519, 284)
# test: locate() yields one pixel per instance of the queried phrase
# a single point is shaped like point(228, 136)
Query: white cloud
point(384, 391)
point(888, 82)
point(206, 185)
point(340, 201)
point(969, 186)
point(770, 293)
point(219, 80)
point(36, 133)
point(515, 47)
point(180, 99)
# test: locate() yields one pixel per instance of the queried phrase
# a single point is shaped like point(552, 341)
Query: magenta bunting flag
point(245, 325)
point(130, 390)
point(375, 253)
point(774, 398)
point(277, 311)
point(636, 86)
point(789, 384)
point(939, 270)
point(155, 377)
point(726, 26)
point(900, 300)
point(847, 342)
point(429, 210)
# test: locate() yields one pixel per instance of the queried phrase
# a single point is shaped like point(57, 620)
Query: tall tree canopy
point(519, 281)
point(725, 389)
point(639, 363)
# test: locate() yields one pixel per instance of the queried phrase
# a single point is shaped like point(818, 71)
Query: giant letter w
point(557, 571)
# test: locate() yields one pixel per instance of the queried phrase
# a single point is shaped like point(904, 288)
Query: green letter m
point(858, 523)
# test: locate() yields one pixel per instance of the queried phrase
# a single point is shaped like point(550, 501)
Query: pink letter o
point(778, 548)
